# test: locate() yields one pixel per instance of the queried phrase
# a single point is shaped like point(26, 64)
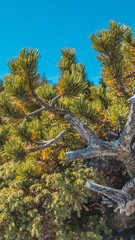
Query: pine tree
point(115, 47)
point(34, 201)
point(72, 78)
point(42, 196)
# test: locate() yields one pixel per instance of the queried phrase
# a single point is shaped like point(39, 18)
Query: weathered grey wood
point(129, 130)
point(48, 107)
point(90, 152)
point(35, 112)
point(121, 201)
point(46, 144)
point(118, 196)
point(54, 100)
point(129, 188)
point(87, 134)
point(96, 147)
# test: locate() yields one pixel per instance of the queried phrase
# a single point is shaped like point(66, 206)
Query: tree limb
point(121, 87)
point(130, 75)
point(40, 101)
point(118, 196)
point(96, 147)
point(129, 188)
point(129, 130)
point(96, 150)
point(35, 112)
point(46, 144)
point(54, 100)
point(48, 107)
point(87, 134)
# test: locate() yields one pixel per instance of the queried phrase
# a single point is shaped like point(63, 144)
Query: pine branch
point(130, 75)
point(48, 107)
point(95, 146)
point(35, 112)
point(55, 99)
point(51, 107)
point(87, 134)
point(47, 144)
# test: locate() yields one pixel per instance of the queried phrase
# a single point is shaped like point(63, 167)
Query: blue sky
point(52, 25)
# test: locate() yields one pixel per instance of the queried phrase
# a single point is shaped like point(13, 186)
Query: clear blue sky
point(52, 25)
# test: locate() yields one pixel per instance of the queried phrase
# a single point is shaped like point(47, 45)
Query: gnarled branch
point(129, 130)
point(87, 134)
point(129, 188)
point(46, 144)
point(40, 101)
point(95, 146)
point(48, 107)
point(130, 75)
point(35, 112)
point(118, 196)
point(51, 107)
point(97, 150)
point(54, 100)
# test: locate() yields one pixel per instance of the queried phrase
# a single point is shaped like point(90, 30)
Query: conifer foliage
point(41, 195)
point(72, 74)
point(115, 47)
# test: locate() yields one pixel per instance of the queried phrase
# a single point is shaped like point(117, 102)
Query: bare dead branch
point(40, 101)
point(51, 107)
point(95, 146)
point(121, 87)
point(54, 100)
point(80, 154)
point(41, 143)
point(47, 144)
point(129, 130)
point(112, 134)
point(35, 112)
point(98, 149)
point(125, 203)
point(60, 111)
point(48, 107)
point(118, 196)
point(87, 134)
